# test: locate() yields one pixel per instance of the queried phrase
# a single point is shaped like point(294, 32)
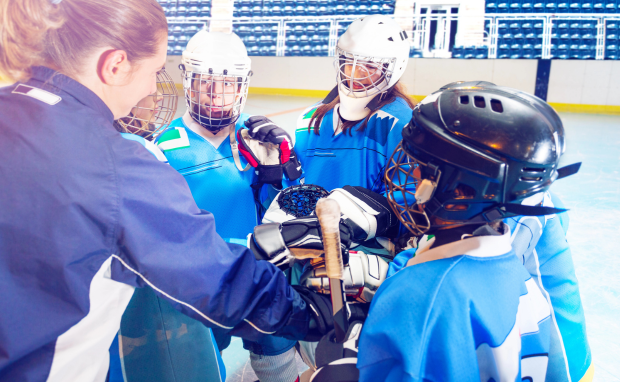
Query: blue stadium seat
point(266, 40)
point(300, 10)
point(599, 7)
point(243, 31)
point(182, 3)
point(306, 50)
point(575, 6)
point(315, 40)
point(362, 9)
point(191, 30)
point(515, 6)
point(469, 52)
point(178, 50)
point(310, 29)
point(312, 11)
point(611, 37)
point(273, 50)
point(482, 52)
point(276, 11)
point(387, 9)
point(291, 39)
point(288, 11)
point(527, 6)
point(586, 6)
point(502, 7)
point(170, 51)
point(457, 52)
point(193, 12)
point(527, 26)
point(611, 25)
point(539, 6)
point(502, 26)
point(253, 50)
point(177, 30)
point(551, 7)
point(610, 6)
point(374, 10)
point(182, 11)
point(257, 11)
point(250, 40)
point(323, 29)
point(163, 3)
point(518, 36)
point(340, 9)
point(515, 46)
point(507, 36)
point(205, 11)
point(562, 7)
point(263, 51)
point(172, 39)
point(304, 40)
point(491, 7)
point(257, 31)
point(245, 11)
point(350, 9)
point(515, 26)
point(291, 3)
point(244, 3)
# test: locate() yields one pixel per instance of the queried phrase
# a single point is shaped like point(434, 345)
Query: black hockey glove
point(263, 130)
point(321, 313)
point(301, 238)
point(337, 362)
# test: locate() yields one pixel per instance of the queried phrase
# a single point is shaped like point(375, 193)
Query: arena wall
point(584, 86)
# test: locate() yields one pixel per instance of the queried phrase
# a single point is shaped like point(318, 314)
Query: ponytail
point(60, 36)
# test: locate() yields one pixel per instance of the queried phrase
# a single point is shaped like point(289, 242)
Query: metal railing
point(489, 34)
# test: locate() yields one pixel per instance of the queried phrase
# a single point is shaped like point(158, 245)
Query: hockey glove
point(362, 277)
point(337, 362)
point(269, 149)
point(281, 244)
point(367, 213)
point(321, 313)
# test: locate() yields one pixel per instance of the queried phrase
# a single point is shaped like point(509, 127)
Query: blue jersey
point(213, 178)
point(540, 242)
point(471, 312)
point(187, 352)
point(359, 159)
point(87, 216)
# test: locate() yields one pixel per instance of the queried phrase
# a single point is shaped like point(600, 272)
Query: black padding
point(569, 170)
point(270, 174)
point(331, 96)
point(338, 373)
point(268, 239)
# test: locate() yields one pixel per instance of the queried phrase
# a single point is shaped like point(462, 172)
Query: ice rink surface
point(593, 197)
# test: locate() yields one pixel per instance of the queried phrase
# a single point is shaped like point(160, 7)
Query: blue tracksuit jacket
point(87, 216)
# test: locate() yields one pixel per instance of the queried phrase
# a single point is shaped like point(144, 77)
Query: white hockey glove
point(367, 213)
point(269, 149)
point(337, 362)
point(362, 277)
point(281, 244)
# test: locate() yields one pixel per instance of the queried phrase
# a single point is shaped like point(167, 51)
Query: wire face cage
point(301, 200)
point(403, 177)
point(152, 114)
point(215, 100)
point(363, 76)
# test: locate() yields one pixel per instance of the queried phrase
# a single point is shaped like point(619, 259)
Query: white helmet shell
point(216, 52)
point(370, 46)
point(220, 63)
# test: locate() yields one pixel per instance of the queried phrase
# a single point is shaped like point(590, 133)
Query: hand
point(321, 313)
point(362, 277)
point(299, 238)
point(263, 130)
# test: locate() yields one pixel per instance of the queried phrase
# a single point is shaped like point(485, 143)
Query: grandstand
point(513, 29)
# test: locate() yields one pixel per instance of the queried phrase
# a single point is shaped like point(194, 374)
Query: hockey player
point(88, 216)
point(348, 137)
point(540, 244)
point(472, 311)
point(464, 309)
point(202, 146)
point(153, 113)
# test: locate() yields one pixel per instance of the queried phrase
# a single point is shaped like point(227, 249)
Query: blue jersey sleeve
point(167, 242)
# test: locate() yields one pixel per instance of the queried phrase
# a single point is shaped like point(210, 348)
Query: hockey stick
point(328, 213)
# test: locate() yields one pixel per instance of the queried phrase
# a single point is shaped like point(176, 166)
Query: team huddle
point(385, 241)
point(446, 215)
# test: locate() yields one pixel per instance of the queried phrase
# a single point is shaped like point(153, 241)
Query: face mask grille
point(215, 100)
point(153, 114)
point(361, 76)
point(403, 176)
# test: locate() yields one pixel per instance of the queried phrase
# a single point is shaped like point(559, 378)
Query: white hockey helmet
point(216, 75)
point(371, 56)
point(152, 114)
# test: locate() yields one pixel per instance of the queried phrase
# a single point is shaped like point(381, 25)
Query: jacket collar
point(475, 246)
point(56, 82)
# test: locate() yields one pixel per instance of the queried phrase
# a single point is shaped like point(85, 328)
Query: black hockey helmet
point(472, 152)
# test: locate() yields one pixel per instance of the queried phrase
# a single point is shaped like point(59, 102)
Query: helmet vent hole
point(532, 169)
point(464, 100)
point(530, 179)
point(496, 106)
point(479, 102)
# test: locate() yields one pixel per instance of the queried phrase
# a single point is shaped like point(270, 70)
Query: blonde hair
point(39, 33)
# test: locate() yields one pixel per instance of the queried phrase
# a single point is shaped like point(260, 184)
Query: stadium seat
point(253, 50)
point(299, 30)
point(205, 11)
point(539, 6)
point(291, 39)
point(178, 50)
point(527, 6)
point(515, 6)
point(503, 7)
point(457, 52)
point(469, 52)
point(482, 52)
point(563, 7)
point(491, 7)
point(191, 30)
point(374, 10)
point(575, 6)
point(610, 6)
point(177, 30)
point(340, 10)
point(300, 10)
point(586, 7)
